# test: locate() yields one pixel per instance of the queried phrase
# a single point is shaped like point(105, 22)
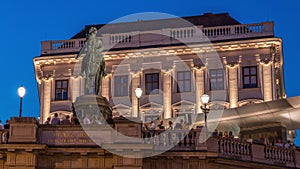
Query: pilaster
point(105, 86)
point(267, 81)
point(135, 82)
point(76, 87)
point(45, 98)
point(199, 88)
point(167, 95)
point(233, 85)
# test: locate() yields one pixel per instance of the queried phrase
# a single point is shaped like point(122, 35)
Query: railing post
point(258, 154)
point(297, 158)
point(46, 46)
point(23, 130)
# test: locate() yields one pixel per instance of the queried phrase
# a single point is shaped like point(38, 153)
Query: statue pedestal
point(93, 105)
point(22, 130)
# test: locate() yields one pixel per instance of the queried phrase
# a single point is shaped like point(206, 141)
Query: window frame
point(217, 79)
point(152, 83)
point(184, 79)
point(249, 76)
point(122, 94)
point(62, 90)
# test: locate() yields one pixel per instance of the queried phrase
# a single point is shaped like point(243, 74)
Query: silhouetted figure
point(6, 125)
point(160, 125)
point(66, 120)
point(55, 120)
point(48, 121)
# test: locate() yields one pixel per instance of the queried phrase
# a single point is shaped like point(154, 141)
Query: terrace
point(164, 37)
point(26, 130)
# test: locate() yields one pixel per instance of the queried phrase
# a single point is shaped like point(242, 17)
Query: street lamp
point(21, 93)
point(138, 93)
point(205, 99)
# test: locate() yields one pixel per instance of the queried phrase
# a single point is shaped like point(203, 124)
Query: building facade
point(173, 63)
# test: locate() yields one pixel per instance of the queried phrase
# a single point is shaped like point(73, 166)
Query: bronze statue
point(93, 64)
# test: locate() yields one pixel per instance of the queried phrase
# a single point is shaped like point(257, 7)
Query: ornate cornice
point(193, 49)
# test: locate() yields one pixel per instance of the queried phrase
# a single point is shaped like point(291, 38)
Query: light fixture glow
point(138, 92)
point(21, 91)
point(205, 98)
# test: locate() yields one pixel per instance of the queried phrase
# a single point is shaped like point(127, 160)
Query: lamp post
point(205, 99)
point(138, 93)
point(21, 93)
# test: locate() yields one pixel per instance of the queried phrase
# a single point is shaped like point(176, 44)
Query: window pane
point(58, 84)
point(220, 72)
point(155, 77)
point(65, 84)
point(187, 75)
point(246, 71)
point(187, 86)
point(180, 76)
point(121, 85)
point(155, 86)
point(246, 80)
point(216, 79)
point(253, 70)
point(65, 95)
point(148, 88)
point(253, 80)
point(148, 78)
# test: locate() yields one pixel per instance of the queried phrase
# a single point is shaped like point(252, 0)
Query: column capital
point(167, 70)
point(136, 73)
point(199, 68)
point(232, 64)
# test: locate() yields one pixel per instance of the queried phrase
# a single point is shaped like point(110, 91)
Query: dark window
point(152, 83)
point(216, 79)
point(250, 77)
point(61, 90)
point(184, 81)
point(121, 86)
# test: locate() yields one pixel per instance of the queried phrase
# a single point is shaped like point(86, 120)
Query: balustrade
point(169, 140)
point(182, 33)
point(189, 34)
point(234, 149)
point(278, 154)
point(120, 38)
point(166, 139)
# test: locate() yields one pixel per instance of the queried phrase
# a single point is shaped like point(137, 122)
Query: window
point(250, 77)
point(184, 81)
point(121, 86)
point(61, 90)
point(216, 79)
point(152, 83)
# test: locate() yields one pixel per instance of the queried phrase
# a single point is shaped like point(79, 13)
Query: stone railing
point(174, 140)
point(229, 148)
point(154, 140)
point(281, 156)
point(62, 46)
point(164, 37)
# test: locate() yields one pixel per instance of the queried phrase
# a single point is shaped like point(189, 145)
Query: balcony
point(25, 130)
point(164, 37)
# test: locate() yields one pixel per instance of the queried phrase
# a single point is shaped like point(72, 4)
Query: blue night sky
point(26, 23)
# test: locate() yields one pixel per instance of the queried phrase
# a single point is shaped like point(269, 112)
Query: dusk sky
point(26, 23)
